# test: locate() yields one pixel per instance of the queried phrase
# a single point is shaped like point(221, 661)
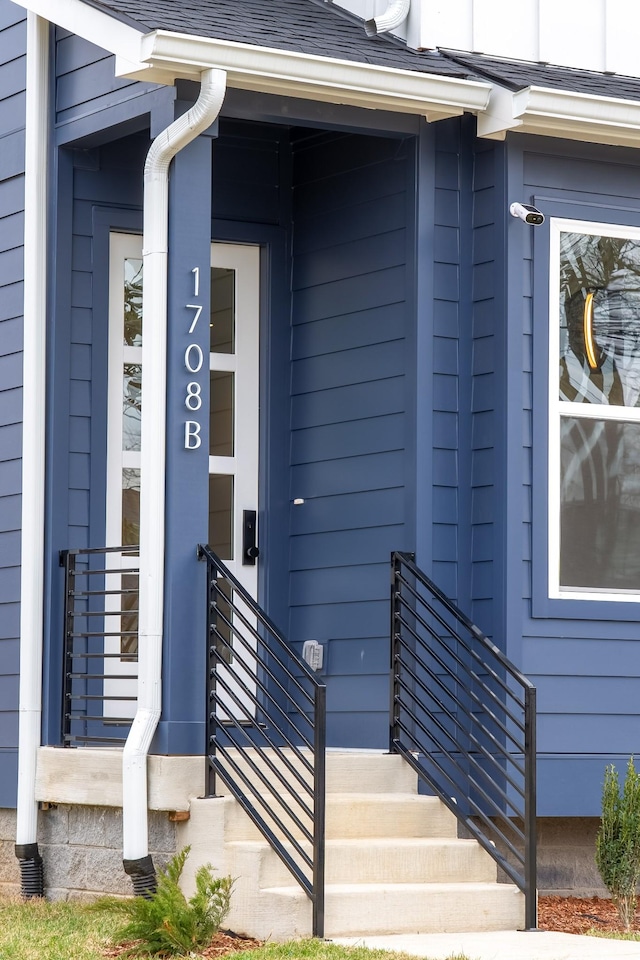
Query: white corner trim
point(33, 423)
point(562, 113)
point(89, 23)
point(164, 55)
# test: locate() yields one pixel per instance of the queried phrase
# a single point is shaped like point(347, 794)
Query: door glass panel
point(130, 507)
point(221, 515)
point(222, 324)
point(131, 406)
point(221, 416)
point(600, 505)
point(132, 302)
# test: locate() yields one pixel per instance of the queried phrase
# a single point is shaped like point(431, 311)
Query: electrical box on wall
point(313, 654)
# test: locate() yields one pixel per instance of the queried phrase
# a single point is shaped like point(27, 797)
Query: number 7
point(198, 310)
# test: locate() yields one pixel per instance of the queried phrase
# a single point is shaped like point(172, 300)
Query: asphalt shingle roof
point(519, 74)
point(304, 26)
point(322, 29)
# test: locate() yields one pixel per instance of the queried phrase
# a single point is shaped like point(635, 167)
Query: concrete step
point(353, 771)
point(417, 860)
point(360, 815)
point(389, 908)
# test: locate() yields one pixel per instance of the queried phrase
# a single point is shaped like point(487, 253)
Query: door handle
point(250, 551)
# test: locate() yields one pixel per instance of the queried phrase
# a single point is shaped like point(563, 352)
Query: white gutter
point(395, 14)
point(562, 113)
point(152, 474)
point(163, 56)
point(33, 444)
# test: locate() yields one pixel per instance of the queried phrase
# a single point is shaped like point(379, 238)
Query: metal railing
point(100, 644)
point(266, 729)
point(464, 718)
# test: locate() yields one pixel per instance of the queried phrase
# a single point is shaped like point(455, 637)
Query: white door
point(233, 450)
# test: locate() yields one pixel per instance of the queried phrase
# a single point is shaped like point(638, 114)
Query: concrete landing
point(502, 945)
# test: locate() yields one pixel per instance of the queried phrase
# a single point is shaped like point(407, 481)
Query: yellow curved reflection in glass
point(589, 344)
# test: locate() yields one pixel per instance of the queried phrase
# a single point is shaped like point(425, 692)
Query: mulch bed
point(579, 914)
point(223, 943)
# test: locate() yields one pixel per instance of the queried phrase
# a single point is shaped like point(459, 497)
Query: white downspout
point(395, 14)
point(33, 450)
point(137, 862)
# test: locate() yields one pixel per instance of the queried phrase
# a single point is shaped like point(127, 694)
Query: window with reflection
point(595, 413)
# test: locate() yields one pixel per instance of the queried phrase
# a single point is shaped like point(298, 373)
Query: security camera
point(527, 213)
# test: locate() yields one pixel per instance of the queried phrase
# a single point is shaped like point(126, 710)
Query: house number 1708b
point(193, 360)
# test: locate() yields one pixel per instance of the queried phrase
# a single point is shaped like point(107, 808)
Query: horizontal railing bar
point(461, 618)
point(255, 633)
point(133, 549)
point(289, 718)
point(86, 718)
point(77, 738)
point(260, 614)
point(301, 781)
point(93, 634)
point(80, 572)
point(102, 676)
point(125, 592)
point(261, 799)
point(472, 763)
point(77, 655)
point(466, 732)
point(475, 722)
point(472, 696)
point(469, 757)
point(469, 824)
point(103, 698)
point(461, 663)
point(478, 812)
point(254, 677)
point(264, 828)
point(233, 721)
point(102, 613)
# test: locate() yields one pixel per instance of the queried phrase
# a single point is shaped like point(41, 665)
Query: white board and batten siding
point(591, 34)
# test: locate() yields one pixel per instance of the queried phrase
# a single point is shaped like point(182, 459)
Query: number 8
point(193, 394)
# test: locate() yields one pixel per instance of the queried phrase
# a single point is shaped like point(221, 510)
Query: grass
point(613, 934)
point(39, 930)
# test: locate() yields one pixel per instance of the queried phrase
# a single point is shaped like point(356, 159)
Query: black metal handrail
point(266, 729)
point(464, 718)
point(100, 631)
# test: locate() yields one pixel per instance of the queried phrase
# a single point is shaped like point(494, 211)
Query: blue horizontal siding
point(350, 315)
point(12, 121)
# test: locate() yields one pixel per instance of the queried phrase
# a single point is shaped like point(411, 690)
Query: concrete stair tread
point(367, 889)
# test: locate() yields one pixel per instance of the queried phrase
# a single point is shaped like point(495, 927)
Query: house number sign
point(193, 360)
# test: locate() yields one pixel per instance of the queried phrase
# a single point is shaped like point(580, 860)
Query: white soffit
point(164, 56)
point(561, 113)
point(91, 24)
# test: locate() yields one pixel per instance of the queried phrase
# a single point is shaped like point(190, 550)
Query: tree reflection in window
point(609, 268)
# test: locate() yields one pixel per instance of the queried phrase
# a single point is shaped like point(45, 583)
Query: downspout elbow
point(395, 14)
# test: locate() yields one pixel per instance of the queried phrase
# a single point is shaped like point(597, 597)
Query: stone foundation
point(81, 848)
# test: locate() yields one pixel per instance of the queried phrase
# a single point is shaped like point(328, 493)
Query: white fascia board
point(561, 113)
point(164, 56)
point(89, 23)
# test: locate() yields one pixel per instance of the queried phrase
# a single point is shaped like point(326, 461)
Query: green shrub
point(166, 922)
point(618, 841)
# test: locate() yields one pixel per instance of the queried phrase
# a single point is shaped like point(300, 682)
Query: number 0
point(188, 360)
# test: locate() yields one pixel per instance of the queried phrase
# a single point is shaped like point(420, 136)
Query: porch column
point(181, 727)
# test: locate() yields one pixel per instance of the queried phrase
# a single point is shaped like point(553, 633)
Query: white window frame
point(584, 411)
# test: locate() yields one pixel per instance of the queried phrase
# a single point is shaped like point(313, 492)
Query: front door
point(233, 443)
point(233, 451)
